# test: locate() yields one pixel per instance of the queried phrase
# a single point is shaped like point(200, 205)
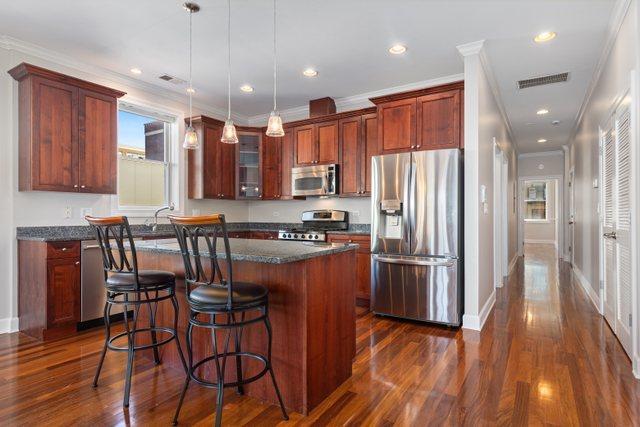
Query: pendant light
point(190, 136)
point(229, 135)
point(274, 127)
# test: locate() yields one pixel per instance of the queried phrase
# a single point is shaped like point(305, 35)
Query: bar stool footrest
point(171, 337)
point(244, 381)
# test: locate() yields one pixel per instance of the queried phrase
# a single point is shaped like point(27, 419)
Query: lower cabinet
point(48, 288)
point(363, 264)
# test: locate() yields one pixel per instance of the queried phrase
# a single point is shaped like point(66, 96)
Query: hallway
point(544, 357)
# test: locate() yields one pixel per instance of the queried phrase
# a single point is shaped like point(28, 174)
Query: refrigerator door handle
point(433, 262)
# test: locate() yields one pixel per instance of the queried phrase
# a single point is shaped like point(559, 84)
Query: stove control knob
point(315, 237)
point(295, 236)
point(302, 236)
point(289, 236)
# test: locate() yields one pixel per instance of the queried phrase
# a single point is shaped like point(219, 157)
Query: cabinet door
point(350, 164)
point(305, 145)
point(227, 170)
point(98, 143)
point(369, 144)
point(327, 142)
point(54, 164)
point(439, 120)
point(397, 126)
point(211, 173)
point(286, 163)
point(271, 168)
point(63, 292)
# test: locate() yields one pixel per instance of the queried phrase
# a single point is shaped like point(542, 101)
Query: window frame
point(172, 188)
point(546, 202)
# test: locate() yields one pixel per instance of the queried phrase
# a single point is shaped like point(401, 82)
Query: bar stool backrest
point(198, 239)
point(112, 231)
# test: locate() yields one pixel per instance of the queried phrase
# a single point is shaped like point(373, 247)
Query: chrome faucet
point(154, 227)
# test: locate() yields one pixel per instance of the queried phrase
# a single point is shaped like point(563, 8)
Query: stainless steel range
point(315, 224)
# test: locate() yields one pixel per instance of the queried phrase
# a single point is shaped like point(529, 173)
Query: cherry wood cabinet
point(212, 167)
point(48, 288)
point(67, 132)
point(316, 143)
point(358, 143)
point(287, 150)
point(439, 121)
point(271, 168)
point(425, 119)
point(363, 264)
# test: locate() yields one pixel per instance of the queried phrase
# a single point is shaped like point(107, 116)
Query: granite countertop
point(84, 232)
point(262, 251)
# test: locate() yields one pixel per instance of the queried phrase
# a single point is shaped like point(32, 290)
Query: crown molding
point(619, 12)
point(13, 44)
point(356, 102)
point(541, 154)
point(472, 48)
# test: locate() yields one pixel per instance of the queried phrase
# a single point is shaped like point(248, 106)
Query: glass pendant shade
point(190, 139)
point(274, 127)
point(229, 134)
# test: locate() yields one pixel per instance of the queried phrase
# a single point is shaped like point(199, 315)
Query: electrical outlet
point(86, 212)
point(355, 214)
point(68, 212)
point(276, 214)
point(195, 212)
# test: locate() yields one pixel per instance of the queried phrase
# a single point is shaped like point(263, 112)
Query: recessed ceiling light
point(397, 49)
point(544, 37)
point(542, 112)
point(191, 90)
point(136, 71)
point(310, 72)
point(542, 140)
point(246, 88)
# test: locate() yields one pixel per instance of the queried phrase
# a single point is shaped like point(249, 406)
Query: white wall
point(483, 123)
point(552, 164)
point(613, 82)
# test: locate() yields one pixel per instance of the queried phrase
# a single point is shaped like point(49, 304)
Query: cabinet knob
point(77, 262)
point(413, 146)
point(82, 186)
point(64, 249)
point(75, 186)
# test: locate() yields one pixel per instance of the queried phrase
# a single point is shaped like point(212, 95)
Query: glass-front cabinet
point(249, 176)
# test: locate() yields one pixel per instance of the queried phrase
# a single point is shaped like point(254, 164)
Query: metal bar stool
point(212, 297)
point(129, 287)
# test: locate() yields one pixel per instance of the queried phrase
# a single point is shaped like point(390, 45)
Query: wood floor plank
point(544, 357)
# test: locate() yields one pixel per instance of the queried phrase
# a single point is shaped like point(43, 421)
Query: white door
point(616, 226)
point(572, 215)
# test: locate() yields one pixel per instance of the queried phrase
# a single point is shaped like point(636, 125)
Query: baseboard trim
point(476, 322)
point(587, 288)
point(512, 264)
point(543, 241)
point(636, 367)
point(9, 324)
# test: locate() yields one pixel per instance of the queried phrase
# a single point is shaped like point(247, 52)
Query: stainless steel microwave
point(319, 180)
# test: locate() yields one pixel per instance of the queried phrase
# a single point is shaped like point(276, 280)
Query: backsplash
point(290, 210)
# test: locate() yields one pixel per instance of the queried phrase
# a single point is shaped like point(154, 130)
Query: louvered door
point(623, 228)
point(617, 190)
point(608, 225)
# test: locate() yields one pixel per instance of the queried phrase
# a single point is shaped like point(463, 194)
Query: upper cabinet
point(249, 177)
point(316, 143)
point(277, 161)
point(358, 143)
point(212, 167)
point(426, 119)
point(67, 132)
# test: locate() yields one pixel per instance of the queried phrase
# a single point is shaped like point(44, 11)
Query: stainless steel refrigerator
point(416, 236)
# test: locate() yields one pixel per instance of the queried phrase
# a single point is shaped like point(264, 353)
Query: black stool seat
point(244, 294)
point(146, 279)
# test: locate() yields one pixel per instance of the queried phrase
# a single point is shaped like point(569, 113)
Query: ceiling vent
point(172, 79)
point(543, 80)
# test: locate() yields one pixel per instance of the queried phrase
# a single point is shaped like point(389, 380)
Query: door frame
point(559, 208)
point(571, 224)
point(500, 215)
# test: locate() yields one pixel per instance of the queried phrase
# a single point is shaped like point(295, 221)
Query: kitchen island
point(311, 307)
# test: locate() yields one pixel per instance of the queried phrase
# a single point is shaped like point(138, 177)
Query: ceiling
point(346, 41)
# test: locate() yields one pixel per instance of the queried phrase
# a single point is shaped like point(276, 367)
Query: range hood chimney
point(321, 107)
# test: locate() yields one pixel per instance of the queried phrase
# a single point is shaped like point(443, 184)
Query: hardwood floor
point(545, 357)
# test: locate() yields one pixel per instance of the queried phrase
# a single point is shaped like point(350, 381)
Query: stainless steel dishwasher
point(92, 291)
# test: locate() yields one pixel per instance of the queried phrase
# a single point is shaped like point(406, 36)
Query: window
point(144, 148)
point(535, 201)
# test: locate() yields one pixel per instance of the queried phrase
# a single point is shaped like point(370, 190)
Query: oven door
point(313, 180)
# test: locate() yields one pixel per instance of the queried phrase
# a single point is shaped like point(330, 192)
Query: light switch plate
point(595, 183)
